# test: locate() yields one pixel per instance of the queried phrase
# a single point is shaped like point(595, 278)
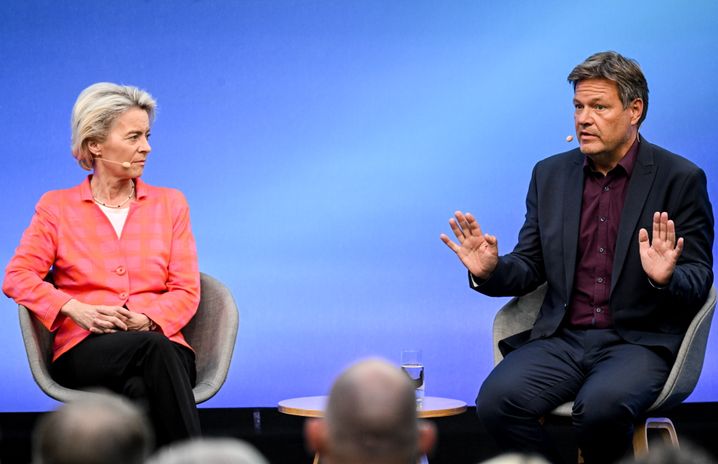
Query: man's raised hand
point(660, 255)
point(479, 252)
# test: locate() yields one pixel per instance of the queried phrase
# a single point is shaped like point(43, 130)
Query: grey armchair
point(520, 313)
point(212, 333)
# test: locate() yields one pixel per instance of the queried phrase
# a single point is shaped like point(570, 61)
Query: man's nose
point(583, 117)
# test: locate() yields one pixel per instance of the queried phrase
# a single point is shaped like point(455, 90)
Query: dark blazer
point(547, 247)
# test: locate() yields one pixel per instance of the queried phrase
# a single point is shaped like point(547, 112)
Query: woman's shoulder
point(60, 196)
point(160, 193)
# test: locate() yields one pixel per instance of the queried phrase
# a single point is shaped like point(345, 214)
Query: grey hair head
point(209, 451)
point(625, 72)
point(98, 428)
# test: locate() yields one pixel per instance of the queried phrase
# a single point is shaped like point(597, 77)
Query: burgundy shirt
point(603, 199)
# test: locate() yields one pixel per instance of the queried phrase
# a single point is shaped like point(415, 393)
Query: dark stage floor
point(462, 439)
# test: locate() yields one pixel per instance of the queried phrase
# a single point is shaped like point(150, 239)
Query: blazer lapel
point(572, 197)
point(638, 187)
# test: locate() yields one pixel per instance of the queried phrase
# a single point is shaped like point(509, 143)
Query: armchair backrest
point(517, 315)
point(38, 346)
point(212, 333)
point(689, 360)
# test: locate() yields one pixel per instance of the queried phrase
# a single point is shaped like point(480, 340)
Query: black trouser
point(611, 381)
point(144, 366)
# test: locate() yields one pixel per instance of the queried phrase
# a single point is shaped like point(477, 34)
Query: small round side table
point(313, 406)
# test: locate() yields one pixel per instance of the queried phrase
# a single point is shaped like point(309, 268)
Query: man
point(371, 418)
point(619, 299)
point(99, 429)
point(209, 451)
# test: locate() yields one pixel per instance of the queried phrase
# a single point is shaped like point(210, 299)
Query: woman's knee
point(157, 350)
point(156, 341)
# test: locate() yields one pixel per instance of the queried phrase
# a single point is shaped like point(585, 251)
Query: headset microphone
point(124, 164)
point(569, 138)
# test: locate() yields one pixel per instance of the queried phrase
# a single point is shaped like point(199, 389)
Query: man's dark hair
point(625, 72)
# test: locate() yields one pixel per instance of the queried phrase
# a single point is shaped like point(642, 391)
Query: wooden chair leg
point(662, 425)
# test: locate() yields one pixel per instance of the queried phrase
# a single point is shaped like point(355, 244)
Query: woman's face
point(125, 150)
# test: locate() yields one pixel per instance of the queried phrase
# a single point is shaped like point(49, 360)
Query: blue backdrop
point(323, 145)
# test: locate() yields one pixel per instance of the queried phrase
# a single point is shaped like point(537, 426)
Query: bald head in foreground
point(371, 418)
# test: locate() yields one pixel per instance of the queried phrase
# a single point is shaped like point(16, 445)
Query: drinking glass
point(412, 364)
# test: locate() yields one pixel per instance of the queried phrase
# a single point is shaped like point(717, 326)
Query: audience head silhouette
point(209, 451)
point(371, 417)
point(98, 429)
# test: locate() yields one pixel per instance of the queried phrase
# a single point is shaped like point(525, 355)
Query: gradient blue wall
point(323, 145)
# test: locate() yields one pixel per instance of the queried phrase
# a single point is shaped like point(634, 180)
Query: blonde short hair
point(96, 109)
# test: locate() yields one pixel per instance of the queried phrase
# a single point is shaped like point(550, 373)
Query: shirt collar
point(86, 190)
point(626, 163)
point(629, 161)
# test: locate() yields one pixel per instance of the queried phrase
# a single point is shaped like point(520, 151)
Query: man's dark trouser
point(611, 381)
point(144, 366)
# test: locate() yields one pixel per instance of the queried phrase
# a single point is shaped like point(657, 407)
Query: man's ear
point(637, 108)
point(315, 435)
point(427, 436)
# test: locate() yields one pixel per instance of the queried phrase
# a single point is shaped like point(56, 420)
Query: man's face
point(604, 128)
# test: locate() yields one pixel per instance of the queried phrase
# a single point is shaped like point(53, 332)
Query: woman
point(123, 261)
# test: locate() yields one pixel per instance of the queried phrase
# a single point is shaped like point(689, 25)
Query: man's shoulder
point(650, 153)
point(561, 160)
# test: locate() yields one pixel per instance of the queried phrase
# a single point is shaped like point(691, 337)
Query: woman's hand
point(105, 319)
point(136, 321)
point(97, 319)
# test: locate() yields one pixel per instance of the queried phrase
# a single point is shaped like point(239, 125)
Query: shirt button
point(598, 310)
point(601, 250)
point(123, 295)
point(120, 270)
point(606, 188)
point(599, 280)
point(603, 218)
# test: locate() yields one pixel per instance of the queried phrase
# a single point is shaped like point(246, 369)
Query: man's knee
point(492, 402)
point(601, 415)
